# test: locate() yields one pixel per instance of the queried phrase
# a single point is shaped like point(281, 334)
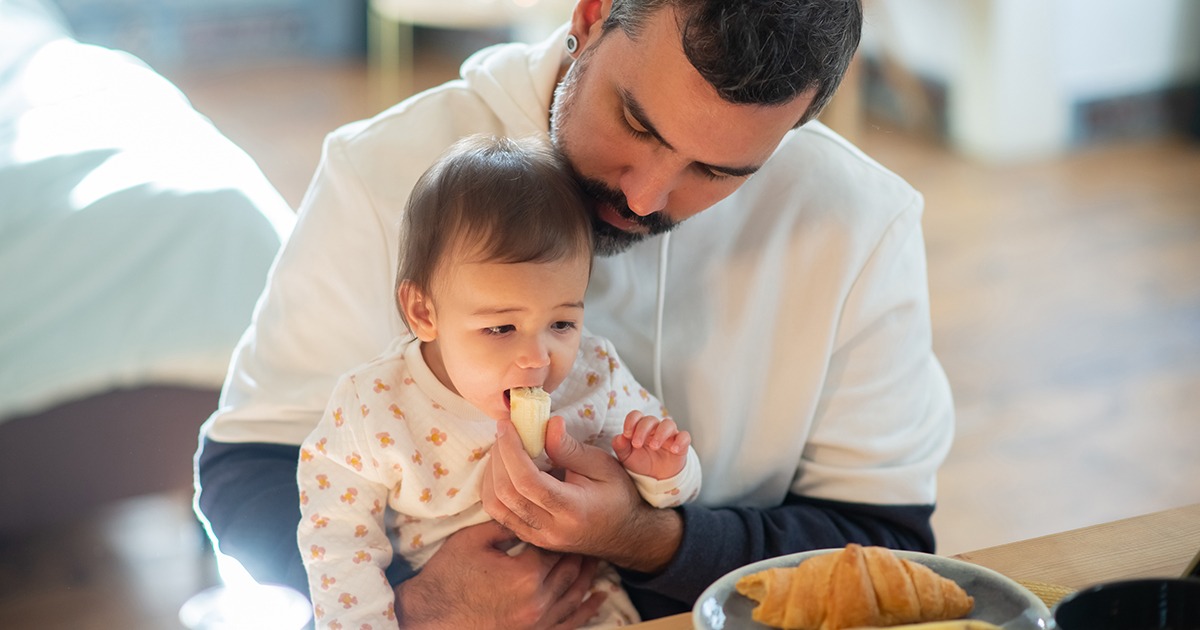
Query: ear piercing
point(572, 43)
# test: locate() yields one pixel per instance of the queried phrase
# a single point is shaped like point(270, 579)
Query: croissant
point(853, 587)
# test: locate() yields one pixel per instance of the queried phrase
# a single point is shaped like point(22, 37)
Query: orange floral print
point(437, 437)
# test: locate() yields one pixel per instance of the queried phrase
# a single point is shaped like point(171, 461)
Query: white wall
point(1117, 47)
point(1014, 69)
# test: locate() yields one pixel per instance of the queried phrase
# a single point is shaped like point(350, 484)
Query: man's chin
point(610, 240)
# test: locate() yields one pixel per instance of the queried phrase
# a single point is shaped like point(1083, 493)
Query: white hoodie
point(795, 326)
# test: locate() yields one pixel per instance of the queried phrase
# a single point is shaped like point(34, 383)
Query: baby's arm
point(655, 452)
point(341, 535)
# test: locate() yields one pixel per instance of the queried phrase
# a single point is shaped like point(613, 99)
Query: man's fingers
point(514, 487)
point(569, 582)
point(582, 613)
point(565, 573)
point(489, 534)
point(575, 456)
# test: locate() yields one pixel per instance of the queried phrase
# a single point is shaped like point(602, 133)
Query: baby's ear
point(418, 311)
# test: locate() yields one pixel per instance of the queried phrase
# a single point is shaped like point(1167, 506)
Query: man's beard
point(608, 239)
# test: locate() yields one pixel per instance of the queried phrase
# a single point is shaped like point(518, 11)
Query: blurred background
point(1058, 147)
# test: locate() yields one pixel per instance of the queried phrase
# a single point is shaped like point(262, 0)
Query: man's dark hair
point(764, 52)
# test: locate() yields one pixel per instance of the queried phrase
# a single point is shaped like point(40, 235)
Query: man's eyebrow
point(639, 114)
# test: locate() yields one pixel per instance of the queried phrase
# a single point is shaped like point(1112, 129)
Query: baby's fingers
point(644, 430)
point(622, 447)
point(665, 430)
point(678, 443)
point(631, 422)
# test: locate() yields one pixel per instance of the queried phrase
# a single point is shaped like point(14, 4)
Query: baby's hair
point(492, 199)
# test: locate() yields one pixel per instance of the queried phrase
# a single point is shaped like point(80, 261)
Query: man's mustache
point(655, 223)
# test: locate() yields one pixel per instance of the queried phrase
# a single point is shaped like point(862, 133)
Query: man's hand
point(595, 510)
point(472, 583)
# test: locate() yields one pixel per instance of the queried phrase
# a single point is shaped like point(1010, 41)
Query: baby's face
point(504, 325)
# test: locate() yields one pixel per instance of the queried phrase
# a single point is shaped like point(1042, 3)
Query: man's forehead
point(654, 76)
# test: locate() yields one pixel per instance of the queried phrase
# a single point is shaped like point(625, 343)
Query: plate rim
point(1039, 606)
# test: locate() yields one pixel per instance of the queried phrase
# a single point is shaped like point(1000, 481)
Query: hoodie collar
point(517, 81)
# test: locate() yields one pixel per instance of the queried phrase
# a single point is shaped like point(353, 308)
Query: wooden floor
point(1066, 311)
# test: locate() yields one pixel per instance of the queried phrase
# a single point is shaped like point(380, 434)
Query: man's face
point(650, 140)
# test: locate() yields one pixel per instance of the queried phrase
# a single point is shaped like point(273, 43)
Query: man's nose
point(646, 187)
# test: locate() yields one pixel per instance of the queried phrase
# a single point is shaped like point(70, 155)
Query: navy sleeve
point(716, 541)
point(249, 497)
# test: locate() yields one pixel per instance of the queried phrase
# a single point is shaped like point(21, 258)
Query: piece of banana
point(955, 624)
point(529, 409)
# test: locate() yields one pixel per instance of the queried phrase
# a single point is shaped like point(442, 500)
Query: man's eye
point(499, 330)
point(714, 175)
point(634, 128)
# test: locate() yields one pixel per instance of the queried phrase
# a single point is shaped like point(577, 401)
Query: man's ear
point(418, 311)
point(587, 18)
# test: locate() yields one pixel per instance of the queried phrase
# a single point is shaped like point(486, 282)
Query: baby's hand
point(652, 447)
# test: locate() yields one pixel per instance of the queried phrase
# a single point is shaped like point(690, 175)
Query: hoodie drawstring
point(664, 247)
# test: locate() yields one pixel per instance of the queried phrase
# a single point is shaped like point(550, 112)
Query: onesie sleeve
point(341, 535)
point(673, 491)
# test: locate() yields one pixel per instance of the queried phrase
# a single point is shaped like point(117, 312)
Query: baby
point(495, 257)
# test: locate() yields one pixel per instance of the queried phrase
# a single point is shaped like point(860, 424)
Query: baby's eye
point(562, 326)
point(499, 330)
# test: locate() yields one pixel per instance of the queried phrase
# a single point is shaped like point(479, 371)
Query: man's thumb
point(567, 452)
point(487, 534)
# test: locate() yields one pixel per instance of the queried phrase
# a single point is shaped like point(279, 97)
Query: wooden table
point(1154, 545)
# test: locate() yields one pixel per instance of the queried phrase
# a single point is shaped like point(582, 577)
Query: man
point(785, 323)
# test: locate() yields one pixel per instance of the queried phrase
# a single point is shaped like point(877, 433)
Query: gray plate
point(998, 599)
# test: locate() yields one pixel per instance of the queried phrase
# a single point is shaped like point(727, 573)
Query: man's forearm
point(716, 541)
point(249, 497)
point(654, 538)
